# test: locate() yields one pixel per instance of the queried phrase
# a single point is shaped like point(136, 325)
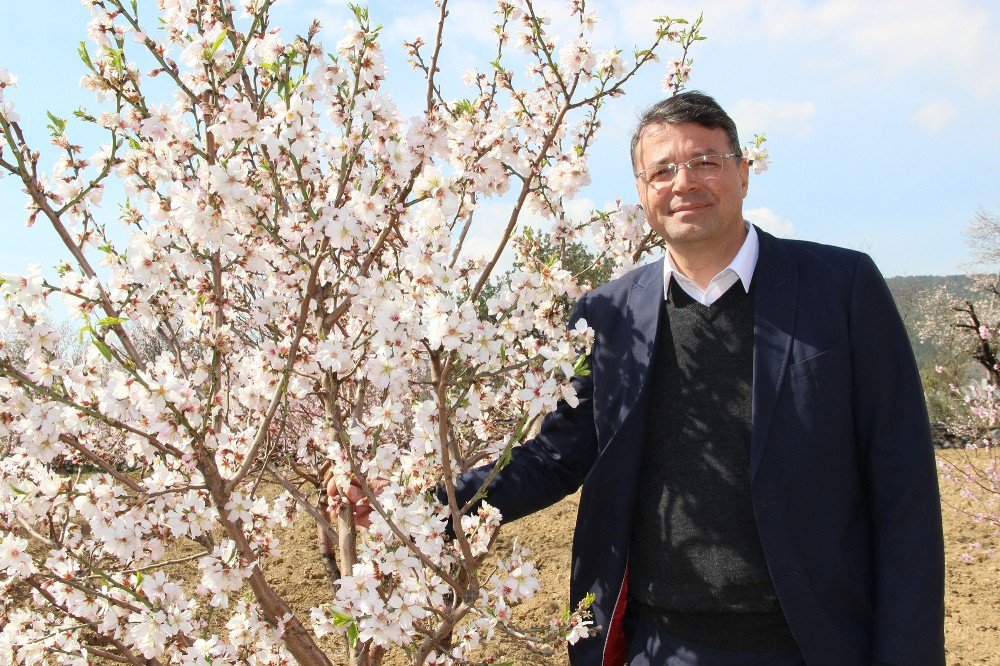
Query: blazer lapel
point(645, 300)
point(776, 285)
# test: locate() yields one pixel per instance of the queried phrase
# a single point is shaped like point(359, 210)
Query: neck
point(701, 263)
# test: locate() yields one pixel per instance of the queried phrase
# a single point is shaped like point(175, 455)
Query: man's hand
point(355, 498)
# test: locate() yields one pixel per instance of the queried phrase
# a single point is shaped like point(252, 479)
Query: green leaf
point(2, 281)
point(581, 368)
point(218, 42)
point(115, 58)
point(103, 348)
point(16, 490)
point(360, 13)
point(339, 619)
point(84, 55)
point(112, 321)
point(463, 107)
point(588, 600)
point(134, 144)
point(57, 126)
point(352, 634)
point(82, 114)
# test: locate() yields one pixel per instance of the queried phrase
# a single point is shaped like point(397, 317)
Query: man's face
point(692, 213)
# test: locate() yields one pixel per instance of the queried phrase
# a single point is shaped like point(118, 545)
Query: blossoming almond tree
point(296, 303)
point(967, 329)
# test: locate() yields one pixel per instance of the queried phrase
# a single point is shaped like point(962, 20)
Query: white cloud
point(470, 21)
point(492, 217)
point(579, 209)
point(919, 36)
point(487, 229)
point(774, 117)
point(332, 20)
point(859, 41)
point(771, 222)
point(933, 116)
point(855, 41)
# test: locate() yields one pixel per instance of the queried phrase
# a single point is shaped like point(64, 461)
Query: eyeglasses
point(701, 167)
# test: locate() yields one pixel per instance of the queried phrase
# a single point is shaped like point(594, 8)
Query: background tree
point(968, 328)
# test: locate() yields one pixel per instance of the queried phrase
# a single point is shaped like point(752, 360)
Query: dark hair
point(686, 107)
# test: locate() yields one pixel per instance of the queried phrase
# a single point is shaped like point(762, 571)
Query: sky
point(882, 118)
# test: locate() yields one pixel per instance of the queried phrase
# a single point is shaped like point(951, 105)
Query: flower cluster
point(305, 297)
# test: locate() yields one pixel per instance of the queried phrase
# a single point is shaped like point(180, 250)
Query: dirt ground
point(972, 622)
point(972, 591)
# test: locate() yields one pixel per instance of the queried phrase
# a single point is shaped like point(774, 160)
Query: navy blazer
point(843, 479)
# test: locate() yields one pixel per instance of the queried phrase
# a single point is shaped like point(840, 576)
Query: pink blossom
point(302, 282)
point(14, 558)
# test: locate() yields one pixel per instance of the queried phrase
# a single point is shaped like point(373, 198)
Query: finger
point(355, 494)
point(363, 515)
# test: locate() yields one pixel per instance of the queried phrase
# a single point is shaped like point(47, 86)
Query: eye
point(659, 172)
point(706, 163)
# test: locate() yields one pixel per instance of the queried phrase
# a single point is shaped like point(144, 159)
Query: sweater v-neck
point(681, 299)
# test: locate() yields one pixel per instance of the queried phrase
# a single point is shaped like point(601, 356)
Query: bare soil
point(972, 601)
point(972, 622)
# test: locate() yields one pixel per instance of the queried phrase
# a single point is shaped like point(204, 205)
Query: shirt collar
point(743, 264)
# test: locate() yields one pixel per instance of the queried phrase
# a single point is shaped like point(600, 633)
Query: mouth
point(686, 207)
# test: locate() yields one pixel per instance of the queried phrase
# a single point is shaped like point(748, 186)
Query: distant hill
point(908, 291)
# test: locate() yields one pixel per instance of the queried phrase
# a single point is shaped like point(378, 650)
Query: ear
point(744, 170)
point(640, 189)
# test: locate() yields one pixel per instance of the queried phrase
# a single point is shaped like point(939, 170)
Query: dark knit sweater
point(695, 559)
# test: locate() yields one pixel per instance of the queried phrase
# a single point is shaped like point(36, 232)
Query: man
point(758, 479)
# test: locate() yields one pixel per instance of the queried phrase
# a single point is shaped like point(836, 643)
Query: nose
point(683, 180)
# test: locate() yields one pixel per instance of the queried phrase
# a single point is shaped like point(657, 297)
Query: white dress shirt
point(740, 268)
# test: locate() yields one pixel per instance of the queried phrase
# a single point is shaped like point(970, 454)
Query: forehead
point(679, 142)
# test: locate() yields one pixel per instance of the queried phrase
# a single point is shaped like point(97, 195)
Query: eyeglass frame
point(675, 168)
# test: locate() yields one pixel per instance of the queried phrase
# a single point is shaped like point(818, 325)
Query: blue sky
point(882, 117)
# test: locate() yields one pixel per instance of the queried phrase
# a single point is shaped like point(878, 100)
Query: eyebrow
point(697, 153)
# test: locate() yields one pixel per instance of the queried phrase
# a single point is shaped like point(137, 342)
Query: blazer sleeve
point(551, 465)
point(899, 477)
